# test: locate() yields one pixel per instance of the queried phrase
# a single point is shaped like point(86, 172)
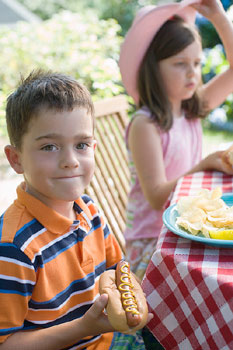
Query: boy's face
point(57, 155)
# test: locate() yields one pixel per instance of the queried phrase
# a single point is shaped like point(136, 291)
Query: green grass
point(214, 139)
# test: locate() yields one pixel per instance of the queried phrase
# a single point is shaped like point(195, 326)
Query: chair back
point(110, 184)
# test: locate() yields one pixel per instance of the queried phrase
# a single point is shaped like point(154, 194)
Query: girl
point(160, 64)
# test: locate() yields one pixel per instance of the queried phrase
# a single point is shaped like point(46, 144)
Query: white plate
point(169, 219)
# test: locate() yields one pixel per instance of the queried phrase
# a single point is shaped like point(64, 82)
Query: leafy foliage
point(214, 63)
point(83, 42)
point(80, 45)
point(122, 11)
point(45, 9)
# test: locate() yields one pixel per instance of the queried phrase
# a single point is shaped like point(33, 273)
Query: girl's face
point(181, 73)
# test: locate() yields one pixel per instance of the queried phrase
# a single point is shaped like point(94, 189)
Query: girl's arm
point(217, 89)
point(144, 143)
point(145, 146)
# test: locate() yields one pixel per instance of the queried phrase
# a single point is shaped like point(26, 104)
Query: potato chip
point(218, 213)
point(216, 193)
point(204, 212)
point(185, 203)
point(194, 215)
point(192, 228)
point(209, 204)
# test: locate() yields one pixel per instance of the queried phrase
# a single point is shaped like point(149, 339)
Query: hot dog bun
point(116, 313)
point(227, 158)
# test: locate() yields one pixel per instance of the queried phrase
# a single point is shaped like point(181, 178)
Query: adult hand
point(209, 8)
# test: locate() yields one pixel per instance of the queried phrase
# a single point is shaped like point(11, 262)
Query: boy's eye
point(49, 148)
point(82, 146)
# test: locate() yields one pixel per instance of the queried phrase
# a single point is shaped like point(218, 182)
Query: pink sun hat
point(146, 24)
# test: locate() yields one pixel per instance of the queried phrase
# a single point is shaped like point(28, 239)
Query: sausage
point(125, 286)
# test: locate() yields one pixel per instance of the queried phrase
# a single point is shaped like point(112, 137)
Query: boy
point(53, 242)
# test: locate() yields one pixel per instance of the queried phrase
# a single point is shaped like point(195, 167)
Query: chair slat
point(110, 184)
point(111, 162)
point(111, 148)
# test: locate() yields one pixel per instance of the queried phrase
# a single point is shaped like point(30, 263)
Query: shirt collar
point(49, 218)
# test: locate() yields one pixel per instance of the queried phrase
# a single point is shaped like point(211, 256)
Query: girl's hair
point(43, 90)
point(174, 36)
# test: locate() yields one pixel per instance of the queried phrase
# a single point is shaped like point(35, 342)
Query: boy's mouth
point(67, 177)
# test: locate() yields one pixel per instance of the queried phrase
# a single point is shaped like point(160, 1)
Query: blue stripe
point(14, 292)
point(66, 243)
point(25, 227)
point(27, 231)
point(1, 225)
point(54, 250)
point(106, 232)
point(64, 295)
point(96, 222)
point(72, 315)
point(9, 330)
point(78, 285)
point(59, 247)
point(9, 250)
point(87, 199)
point(15, 287)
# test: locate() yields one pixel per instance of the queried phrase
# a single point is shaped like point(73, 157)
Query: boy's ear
point(13, 156)
point(94, 144)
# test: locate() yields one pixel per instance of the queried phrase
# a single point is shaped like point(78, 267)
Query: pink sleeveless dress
point(182, 149)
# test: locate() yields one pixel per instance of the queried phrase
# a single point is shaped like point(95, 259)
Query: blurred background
point(82, 38)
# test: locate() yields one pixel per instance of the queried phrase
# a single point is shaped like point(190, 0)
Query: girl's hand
point(214, 162)
point(209, 8)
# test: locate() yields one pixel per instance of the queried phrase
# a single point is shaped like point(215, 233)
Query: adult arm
point(217, 89)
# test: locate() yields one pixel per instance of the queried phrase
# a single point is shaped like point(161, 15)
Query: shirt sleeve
point(17, 279)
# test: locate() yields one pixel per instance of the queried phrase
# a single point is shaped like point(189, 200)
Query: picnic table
point(189, 285)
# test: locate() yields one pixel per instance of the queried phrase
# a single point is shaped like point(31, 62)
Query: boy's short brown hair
point(43, 89)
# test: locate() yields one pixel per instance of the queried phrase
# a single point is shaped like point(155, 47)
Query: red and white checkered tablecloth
point(189, 285)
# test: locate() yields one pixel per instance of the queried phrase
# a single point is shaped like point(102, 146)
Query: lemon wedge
point(222, 234)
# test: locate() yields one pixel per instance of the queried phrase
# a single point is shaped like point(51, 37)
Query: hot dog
point(128, 300)
point(127, 308)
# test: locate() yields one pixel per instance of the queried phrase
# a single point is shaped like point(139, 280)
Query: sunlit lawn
point(215, 140)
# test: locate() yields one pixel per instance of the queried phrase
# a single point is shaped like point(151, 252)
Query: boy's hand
point(95, 320)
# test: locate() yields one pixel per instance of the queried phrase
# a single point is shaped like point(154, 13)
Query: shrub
point(80, 45)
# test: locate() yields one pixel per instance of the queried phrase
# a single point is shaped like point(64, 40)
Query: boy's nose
point(69, 160)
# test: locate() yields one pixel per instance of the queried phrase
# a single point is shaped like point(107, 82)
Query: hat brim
point(140, 35)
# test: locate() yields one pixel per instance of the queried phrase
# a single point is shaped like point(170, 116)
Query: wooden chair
point(110, 184)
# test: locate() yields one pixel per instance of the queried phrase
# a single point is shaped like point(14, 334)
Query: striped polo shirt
point(50, 265)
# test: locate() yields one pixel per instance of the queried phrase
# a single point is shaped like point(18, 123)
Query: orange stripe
point(12, 269)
